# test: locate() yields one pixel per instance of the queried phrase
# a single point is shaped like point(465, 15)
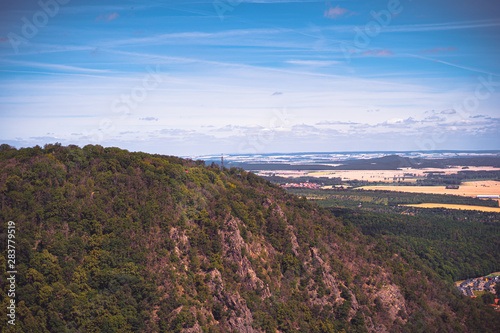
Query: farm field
point(451, 206)
point(468, 189)
point(373, 175)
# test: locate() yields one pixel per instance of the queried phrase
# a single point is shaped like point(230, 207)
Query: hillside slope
point(112, 241)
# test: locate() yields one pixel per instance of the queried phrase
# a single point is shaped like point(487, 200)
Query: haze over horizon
point(251, 76)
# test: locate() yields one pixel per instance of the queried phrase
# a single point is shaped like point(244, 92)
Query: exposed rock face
point(245, 253)
point(238, 251)
point(293, 240)
point(240, 316)
point(232, 247)
point(195, 329)
point(392, 300)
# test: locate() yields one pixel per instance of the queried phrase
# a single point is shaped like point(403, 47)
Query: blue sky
point(259, 76)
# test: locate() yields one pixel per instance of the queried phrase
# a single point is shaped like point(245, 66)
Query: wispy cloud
point(338, 12)
point(52, 73)
point(326, 122)
point(434, 119)
point(398, 122)
point(227, 37)
point(107, 17)
point(426, 27)
point(278, 1)
point(453, 65)
point(318, 63)
point(442, 26)
point(57, 67)
point(448, 111)
point(440, 49)
point(44, 48)
point(186, 60)
point(377, 53)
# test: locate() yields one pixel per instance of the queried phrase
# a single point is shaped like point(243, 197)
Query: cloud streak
point(318, 63)
point(57, 67)
point(378, 53)
point(337, 12)
point(454, 65)
point(425, 27)
point(443, 26)
point(440, 49)
point(107, 17)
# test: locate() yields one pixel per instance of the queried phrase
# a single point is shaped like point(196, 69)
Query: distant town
point(471, 287)
point(302, 185)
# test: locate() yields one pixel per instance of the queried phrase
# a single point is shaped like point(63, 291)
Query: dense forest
point(456, 249)
point(113, 241)
point(434, 179)
point(457, 244)
point(320, 180)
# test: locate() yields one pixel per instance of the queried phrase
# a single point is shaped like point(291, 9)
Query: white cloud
point(448, 111)
point(326, 122)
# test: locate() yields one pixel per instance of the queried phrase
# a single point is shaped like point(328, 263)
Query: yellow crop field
point(451, 206)
point(468, 189)
point(406, 175)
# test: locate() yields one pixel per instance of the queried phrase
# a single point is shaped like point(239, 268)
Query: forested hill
point(112, 241)
point(394, 162)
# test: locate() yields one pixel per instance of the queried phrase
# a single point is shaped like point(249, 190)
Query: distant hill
point(113, 241)
point(280, 166)
point(390, 162)
point(393, 162)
